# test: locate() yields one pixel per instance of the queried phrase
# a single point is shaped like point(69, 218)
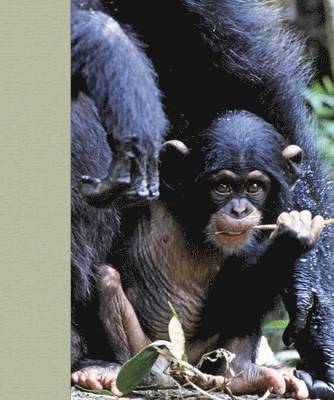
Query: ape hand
point(316, 388)
point(315, 344)
point(133, 176)
point(121, 81)
point(300, 226)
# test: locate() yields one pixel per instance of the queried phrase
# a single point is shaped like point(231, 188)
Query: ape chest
point(164, 268)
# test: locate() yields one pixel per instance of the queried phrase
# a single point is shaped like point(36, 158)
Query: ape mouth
point(232, 241)
point(232, 236)
point(233, 233)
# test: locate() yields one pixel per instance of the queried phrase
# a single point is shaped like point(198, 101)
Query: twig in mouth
point(271, 227)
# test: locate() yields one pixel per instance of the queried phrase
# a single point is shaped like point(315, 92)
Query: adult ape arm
point(113, 69)
point(309, 297)
point(316, 347)
point(311, 325)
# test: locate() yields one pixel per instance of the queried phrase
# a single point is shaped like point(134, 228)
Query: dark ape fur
point(92, 229)
point(209, 56)
point(109, 64)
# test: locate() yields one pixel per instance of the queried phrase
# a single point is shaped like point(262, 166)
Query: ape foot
point(97, 377)
point(160, 375)
point(256, 379)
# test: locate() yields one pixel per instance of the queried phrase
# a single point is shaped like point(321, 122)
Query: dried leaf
point(177, 338)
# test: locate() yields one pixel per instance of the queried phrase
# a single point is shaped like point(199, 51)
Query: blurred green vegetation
point(320, 96)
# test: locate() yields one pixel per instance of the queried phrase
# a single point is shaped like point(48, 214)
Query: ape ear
point(294, 155)
point(173, 155)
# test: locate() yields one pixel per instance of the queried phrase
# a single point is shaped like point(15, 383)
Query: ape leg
point(124, 334)
point(123, 331)
point(120, 321)
point(77, 348)
point(122, 326)
point(253, 378)
point(120, 79)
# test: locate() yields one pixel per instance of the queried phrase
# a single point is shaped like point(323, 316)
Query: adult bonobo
point(198, 248)
point(208, 56)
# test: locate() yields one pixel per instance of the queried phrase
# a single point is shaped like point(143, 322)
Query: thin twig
point(266, 395)
point(210, 396)
point(156, 387)
point(271, 227)
point(229, 392)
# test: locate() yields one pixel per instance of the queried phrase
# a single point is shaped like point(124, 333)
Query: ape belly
point(154, 317)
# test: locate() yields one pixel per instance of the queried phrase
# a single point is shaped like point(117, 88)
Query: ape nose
point(240, 209)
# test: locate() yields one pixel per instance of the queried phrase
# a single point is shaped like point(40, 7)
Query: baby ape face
point(239, 176)
point(237, 200)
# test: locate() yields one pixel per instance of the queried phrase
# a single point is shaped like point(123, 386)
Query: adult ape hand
point(313, 335)
point(316, 347)
point(133, 176)
point(109, 65)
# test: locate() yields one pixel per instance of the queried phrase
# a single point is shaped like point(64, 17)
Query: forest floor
point(170, 394)
point(188, 394)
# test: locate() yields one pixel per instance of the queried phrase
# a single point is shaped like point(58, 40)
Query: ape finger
point(100, 193)
point(92, 380)
point(126, 180)
point(298, 306)
point(153, 177)
point(306, 218)
point(138, 189)
point(295, 217)
point(296, 387)
point(317, 226)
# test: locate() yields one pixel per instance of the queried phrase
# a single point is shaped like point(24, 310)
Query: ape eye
point(253, 187)
point(223, 188)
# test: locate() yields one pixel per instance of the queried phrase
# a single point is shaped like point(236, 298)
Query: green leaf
point(134, 370)
point(276, 325)
point(95, 391)
point(328, 84)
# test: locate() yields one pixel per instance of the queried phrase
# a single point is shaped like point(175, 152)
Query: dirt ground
point(169, 394)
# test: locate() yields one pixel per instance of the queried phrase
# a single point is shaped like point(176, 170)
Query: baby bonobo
point(197, 247)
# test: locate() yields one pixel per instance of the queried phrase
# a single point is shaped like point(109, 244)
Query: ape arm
point(311, 325)
point(295, 234)
point(313, 338)
point(121, 81)
point(316, 347)
point(309, 299)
